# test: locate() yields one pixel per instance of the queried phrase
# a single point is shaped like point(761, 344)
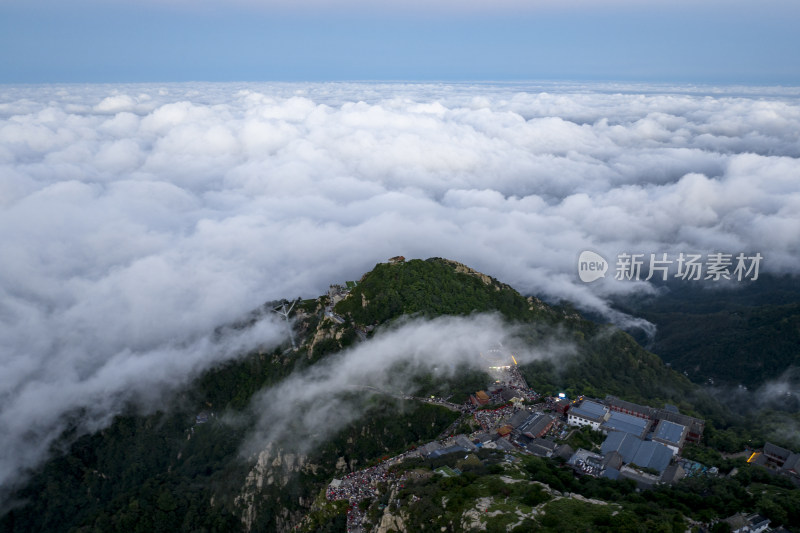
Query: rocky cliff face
point(273, 469)
point(464, 269)
point(392, 521)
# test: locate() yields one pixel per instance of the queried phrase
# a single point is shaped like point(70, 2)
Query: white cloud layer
point(315, 404)
point(134, 219)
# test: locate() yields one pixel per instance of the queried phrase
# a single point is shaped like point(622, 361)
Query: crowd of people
point(362, 484)
point(355, 517)
point(489, 418)
point(359, 485)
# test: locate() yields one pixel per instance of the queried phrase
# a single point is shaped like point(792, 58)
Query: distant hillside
point(748, 345)
point(743, 335)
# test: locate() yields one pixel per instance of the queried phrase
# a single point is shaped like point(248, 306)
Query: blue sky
point(125, 41)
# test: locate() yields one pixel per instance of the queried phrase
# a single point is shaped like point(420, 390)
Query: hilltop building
point(778, 460)
point(586, 463)
point(541, 447)
point(337, 293)
point(427, 449)
point(633, 450)
point(741, 523)
point(447, 451)
point(536, 425)
point(626, 423)
point(776, 455)
point(588, 413)
point(561, 406)
point(671, 435)
point(479, 398)
point(510, 394)
point(695, 426)
point(519, 418)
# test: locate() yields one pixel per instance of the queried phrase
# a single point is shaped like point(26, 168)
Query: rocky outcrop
point(325, 330)
point(464, 269)
point(535, 304)
point(391, 521)
point(276, 468)
point(474, 519)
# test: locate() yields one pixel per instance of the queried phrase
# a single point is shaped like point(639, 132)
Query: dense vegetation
point(741, 345)
point(604, 361)
point(167, 472)
point(740, 334)
point(161, 472)
point(512, 489)
point(610, 362)
point(434, 287)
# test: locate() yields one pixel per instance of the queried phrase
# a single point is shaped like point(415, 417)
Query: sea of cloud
point(135, 219)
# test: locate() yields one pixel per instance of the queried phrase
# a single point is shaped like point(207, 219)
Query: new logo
point(591, 266)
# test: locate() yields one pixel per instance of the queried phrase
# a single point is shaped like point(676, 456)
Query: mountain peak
point(434, 286)
point(464, 269)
